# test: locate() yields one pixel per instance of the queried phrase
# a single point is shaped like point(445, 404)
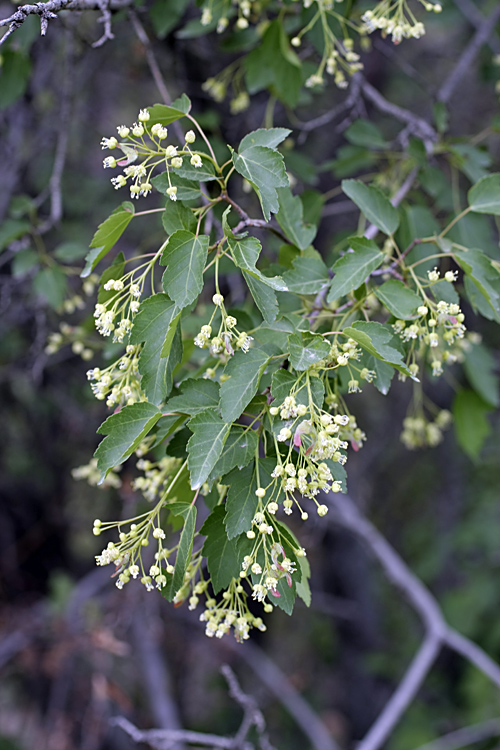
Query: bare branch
point(49, 10)
point(106, 20)
point(417, 125)
point(466, 59)
point(252, 714)
point(464, 737)
point(163, 739)
point(438, 633)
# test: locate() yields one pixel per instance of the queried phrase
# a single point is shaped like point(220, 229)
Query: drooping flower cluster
point(394, 18)
point(143, 148)
point(119, 383)
point(156, 476)
point(438, 333)
point(230, 612)
point(228, 337)
point(421, 432)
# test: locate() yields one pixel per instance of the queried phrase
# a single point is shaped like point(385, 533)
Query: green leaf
point(484, 196)
point(107, 235)
point(68, 252)
point(264, 168)
point(309, 276)
point(399, 300)
point(187, 190)
point(470, 421)
point(380, 341)
point(185, 549)
point(15, 71)
point(306, 349)
point(125, 431)
point(245, 252)
point(273, 64)
point(354, 267)
point(365, 133)
point(205, 173)
point(51, 283)
point(268, 137)
point(384, 374)
point(241, 501)
point(373, 204)
point(474, 161)
point(197, 394)
point(166, 114)
point(245, 371)
point(290, 219)
point(303, 588)
point(12, 229)
point(166, 14)
point(239, 450)
point(176, 216)
point(483, 274)
point(223, 560)
point(156, 320)
point(264, 297)
point(205, 445)
point(185, 256)
point(480, 369)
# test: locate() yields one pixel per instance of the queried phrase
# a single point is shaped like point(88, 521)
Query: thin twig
point(163, 739)
point(49, 10)
point(106, 20)
point(465, 737)
point(466, 59)
point(438, 632)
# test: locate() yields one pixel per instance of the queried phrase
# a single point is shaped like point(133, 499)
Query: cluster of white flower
point(420, 432)
point(92, 475)
point(150, 152)
point(119, 383)
point(439, 332)
point(156, 476)
point(126, 555)
point(228, 336)
point(231, 612)
point(395, 19)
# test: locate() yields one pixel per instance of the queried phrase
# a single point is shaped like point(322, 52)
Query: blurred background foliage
point(74, 651)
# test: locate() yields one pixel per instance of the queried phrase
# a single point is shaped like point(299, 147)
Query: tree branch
point(466, 59)
point(49, 10)
point(464, 737)
point(438, 632)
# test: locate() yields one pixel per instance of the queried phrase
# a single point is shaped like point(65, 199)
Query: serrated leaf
point(239, 449)
point(480, 366)
point(157, 319)
point(184, 549)
point(205, 173)
point(379, 340)
point(245, 372)
point(197, 394)
point(185, 256)
point(245, 252)
point(205, 445)
point(164, 114)
point(264, 168)
point(125, 431)
point(306, 349)
point(384, 374)
point(354, 267)
point(176, 216)
point(483, 274)
point(308, 276)
point(373, 204)
point(263, 296)
point(484, 196)
point(107, 235)
point(241, 501)
point(268, 137)
point(470, 422)
point(223, 559)
point(398, 299)
point(290, 218)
